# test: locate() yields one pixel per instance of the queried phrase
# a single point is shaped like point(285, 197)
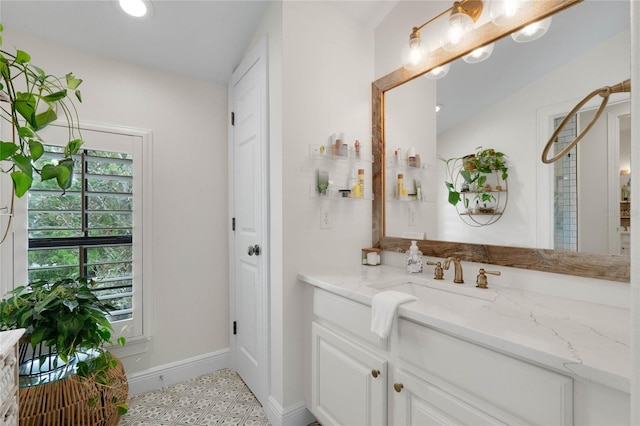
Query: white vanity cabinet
point(416, 402)
point(349, 383)
point(428, 375)
point(487, 387)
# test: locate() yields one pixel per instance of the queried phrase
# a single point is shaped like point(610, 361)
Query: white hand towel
point(383, 310)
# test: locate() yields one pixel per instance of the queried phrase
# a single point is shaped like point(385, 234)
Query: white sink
point(422, 288)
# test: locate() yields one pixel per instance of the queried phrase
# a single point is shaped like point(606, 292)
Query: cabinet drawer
point(510, 385)
point(347, 315)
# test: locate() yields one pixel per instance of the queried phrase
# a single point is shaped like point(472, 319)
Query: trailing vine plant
point(30, 100)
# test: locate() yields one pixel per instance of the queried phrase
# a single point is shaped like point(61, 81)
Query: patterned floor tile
point(217, 399)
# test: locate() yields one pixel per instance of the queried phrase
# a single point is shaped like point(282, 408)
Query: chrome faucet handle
point(438, 273)
point(481, 280)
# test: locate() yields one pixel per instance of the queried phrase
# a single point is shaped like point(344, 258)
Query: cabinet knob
point(398, 387)
point(375, 373)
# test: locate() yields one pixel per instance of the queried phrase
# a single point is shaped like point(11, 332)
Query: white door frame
point(258, 54)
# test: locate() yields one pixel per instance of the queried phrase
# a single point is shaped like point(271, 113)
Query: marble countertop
point(581, 339)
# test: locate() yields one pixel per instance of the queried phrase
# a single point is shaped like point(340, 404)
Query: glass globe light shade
point(501, 11)
point(532, 31)
point(455, 30)
point(479, 55)
point(413, 55)
point(136, 8)
point(438, 72)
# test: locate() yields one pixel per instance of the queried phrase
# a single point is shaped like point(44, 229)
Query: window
point(87, 231)
point(95, 229)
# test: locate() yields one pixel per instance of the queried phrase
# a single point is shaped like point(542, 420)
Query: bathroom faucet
point(457, 278)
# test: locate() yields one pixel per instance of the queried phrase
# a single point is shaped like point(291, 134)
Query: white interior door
point(249, 278)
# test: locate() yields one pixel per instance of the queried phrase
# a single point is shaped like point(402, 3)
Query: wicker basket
point(69, 402)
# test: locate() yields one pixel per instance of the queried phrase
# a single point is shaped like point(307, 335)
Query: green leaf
point(36, 336)
point(22, 57)
point(481, 181)
point(79, 96)
point(7, 149)
point(505, 175)
point(25, 132)
point(122, 340)
point(41, 74)
point(72, 147)
point(122, 409)
point(62, 173)
point(49, 171)
point(70, 325)
point(36, 149)
point(72, 82)
point(54, 97)
point(21, 182)
point(24, 164)
point(44, 118)
point(25, 105)
point(71, 304)
point(65, 178)
point(454, 197)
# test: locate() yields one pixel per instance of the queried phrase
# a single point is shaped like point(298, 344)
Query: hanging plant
point(474, 169)
point(30, 100)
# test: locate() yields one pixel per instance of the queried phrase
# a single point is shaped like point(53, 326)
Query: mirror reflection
point(510, 103)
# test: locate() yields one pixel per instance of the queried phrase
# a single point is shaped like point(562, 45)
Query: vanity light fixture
point(135, 8)
point(461, 13)
point(501, 11)
point(438, 72)
point(414, 55)
point(479, 55)
point(532, 31)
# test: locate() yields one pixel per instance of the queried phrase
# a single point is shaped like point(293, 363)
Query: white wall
point(327, 75)
point(320, 74)
point(188, 120)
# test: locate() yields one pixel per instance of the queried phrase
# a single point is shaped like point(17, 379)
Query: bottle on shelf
point(361, 182)
point(399, 186)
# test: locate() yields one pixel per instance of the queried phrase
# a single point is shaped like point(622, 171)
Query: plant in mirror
point(475, 170)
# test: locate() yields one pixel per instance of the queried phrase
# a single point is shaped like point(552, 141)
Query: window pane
point(53, 264)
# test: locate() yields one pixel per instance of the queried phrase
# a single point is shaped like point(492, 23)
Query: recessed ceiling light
point(136, 8)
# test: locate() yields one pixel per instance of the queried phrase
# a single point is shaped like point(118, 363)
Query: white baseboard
point(294, 415)
point(176, 372)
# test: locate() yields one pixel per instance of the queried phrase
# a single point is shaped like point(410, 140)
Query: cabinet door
point(349, 384)
point(417, 402)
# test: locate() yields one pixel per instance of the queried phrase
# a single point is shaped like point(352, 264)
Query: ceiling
point(470, 88)
point(200, 38)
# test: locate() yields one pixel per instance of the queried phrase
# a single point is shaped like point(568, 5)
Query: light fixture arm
point(473, 8)
point(605, 92)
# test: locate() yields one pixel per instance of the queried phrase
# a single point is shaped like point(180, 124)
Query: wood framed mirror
point(602, 266)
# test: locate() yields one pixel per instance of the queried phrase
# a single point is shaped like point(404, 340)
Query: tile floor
point(220, 398)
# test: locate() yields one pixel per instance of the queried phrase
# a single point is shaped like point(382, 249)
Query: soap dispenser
point(414, 259)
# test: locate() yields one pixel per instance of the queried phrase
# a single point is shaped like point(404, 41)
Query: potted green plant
point(71, 322)
point(31, 99)
point(474, 170)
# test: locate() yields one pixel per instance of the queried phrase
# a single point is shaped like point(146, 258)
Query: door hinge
point(233, 118)
point(233, 223)
point(235, 328)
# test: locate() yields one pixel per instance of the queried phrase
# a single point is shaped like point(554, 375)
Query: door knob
point(398, 387)
point(375, 373)
point(254, 250)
